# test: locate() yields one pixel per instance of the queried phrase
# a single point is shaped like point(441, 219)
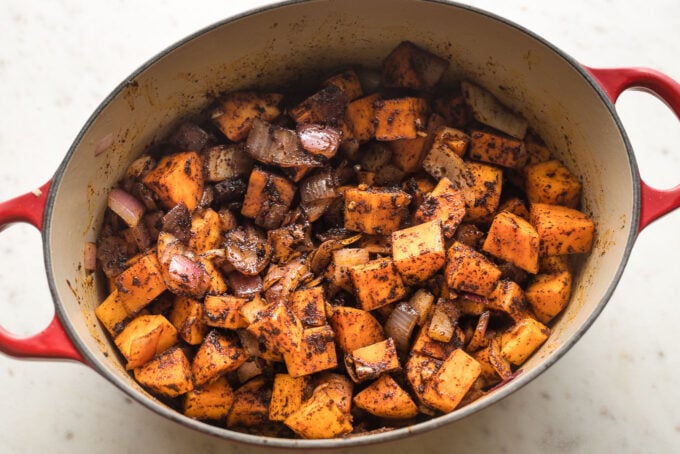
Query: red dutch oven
point(570, 105)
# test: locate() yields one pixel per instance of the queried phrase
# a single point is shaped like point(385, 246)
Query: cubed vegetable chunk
point(287, 396)
point(561, 230)
point(210, 402)
point(373, 360)
point(445, 203)
point(268, 198)
point(407, 154)
point(410, 66)
point(375, 210)
point(319, 417)
point(309, 305)
point(217, 355)
point(112, 313)
point(469, 271)
point(354, 328)
point(400, 118)
point(277, 326)
point(316, 352)
point(251, 404)
point(238, 109)
point(140, 284)
point(509, 297)
point(552, 183)
point(169, 374)
point(377, 283)
point(548, 294)
point(523, 339)
point(451, 382)
point(187, 316)
point(514, 240)
point(418, 252)
point(177, 178)
point(360, 117)
point(497, 149)
point(145, 337)
point(386, 399)
point(484, 194)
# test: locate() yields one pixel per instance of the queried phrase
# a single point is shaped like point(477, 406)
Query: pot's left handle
point(52, 342)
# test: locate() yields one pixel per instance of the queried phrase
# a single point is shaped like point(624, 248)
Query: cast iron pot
point(570, 105)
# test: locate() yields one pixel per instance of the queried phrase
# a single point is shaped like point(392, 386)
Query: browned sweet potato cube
point(112, 313)
point(309, 305)
point(348, 82)
point(169, 374)
point(562, 230)
point(354, 328)
point(552, 183)
point(278, 327)
point(407, 154)
point(488, 372)
point(548, 294)
point(445, 203)
point(251, 404)
point(425, 345)
point(451, 382)
point(287, 396)
point(453, 139)
point(377, 283)
point(140, 284)
point(360, 117)
point(187, 316)
point(469, 271)
point(386, 399)
point(177, 178)
point(418, 252)
point(484, 192)
point(343, 260)
point(369, 362)
point(454, 110)
point(319, 417)
point(338, 387)
point(267, 198)
point(410, 66)
point(145, 337)
point(499, 149)
point(550, 264)
point(508, 297)
point(210, 402)
point(537, 150)
point(516, 206)
point(217, 355)
point(419, 371)
point(441, 161)
point(514, 240)
point(238, 109)
point(520, 341)
point(401, 118)
point(206, 232)
point(216, 283)
point(326, 106)
point(375, 210)
point(316, 352)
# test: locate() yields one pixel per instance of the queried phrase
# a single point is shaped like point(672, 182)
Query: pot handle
point(654, 202)
point(52, 342)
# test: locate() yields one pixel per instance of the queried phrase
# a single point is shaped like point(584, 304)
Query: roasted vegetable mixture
point(362, 256)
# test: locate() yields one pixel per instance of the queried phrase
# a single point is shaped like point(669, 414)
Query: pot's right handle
point(655, 202)
point(52, 342)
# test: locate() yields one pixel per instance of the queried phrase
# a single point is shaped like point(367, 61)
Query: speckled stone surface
point(616, 390)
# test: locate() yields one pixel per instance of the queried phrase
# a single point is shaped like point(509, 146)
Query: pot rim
point(222, 432)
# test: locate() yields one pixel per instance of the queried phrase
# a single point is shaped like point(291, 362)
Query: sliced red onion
point(441, 327)
point(314, 210)
point(478, 338)
point(489, 110)
point(190, 276)
point(320, 186)
point(249, 369)
point(473, 297)
point(126, 206)
point(272, 144)
point(320, 258)
point(90, 256)
point(244, 286)
point(400, 325)
point(248, 250)
point(422, 301)
point(226, 161)
point(319, 139)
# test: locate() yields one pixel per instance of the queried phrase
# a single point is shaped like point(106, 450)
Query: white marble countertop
point(615, 390)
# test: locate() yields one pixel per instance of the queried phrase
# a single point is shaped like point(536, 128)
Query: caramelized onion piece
point(244, 286)
point(400, 325)
point(488, 110)
point(182, 274)
point(320, 258)
point(479, 337)
point(177, 222)
point(271, 144)
point(248, 250)
point(90, 256)
point(126, 206)
point(319, 139)
point(320, 186)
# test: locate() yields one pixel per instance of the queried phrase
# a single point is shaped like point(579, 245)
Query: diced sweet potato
point(562, 230)
point(537, 150)
point(338, 387)
point(354, 328)
point(498, 149)
point(552, 183)
point(548, 294)
point(217, 355)
point(418, 252)
point(441, 161)
point(484, 194)
point(508, 297)
point(187, 316)
point(267, 198)
point(386, 399)
point(343, 260)
point(238, 109)
point(407, 154)
point(251, 404)
point(516, 206)
point(140, 284)
point(488, 373)
point(287, 396)
point(289, 242)
point(454, 110)
point(316, 352)
point(216, 283)
point(451, 382)
point(518, 343)
point(445, 203)
point(348, 82)
point(401, 118)
point(550, 264)
point(375, 210)
point(112, 314)
point(169, 374)
point(469, 271)
point(278, 327)
point(145, 337)
point(419, 371)
point(373, 360)
point(326, 106)
point(360, 117)
point(425, 345)
point(451, 138)
point(410, 66)
point(514, 240)
point(177, 178)
point(206, 232)
point(377, 283)
point(309, 305)
point(319, 417)
point(210, 402)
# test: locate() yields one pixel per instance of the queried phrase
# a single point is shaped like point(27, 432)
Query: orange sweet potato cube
point(278, 327)
point(548, 294)
point(410, 66)
point(187, 316)
point(418, 252)
point(169, 374)
point(251, 404)
point(309, 305)
point(407, 154)
point(514, 240)
point(508, 297)
point(522, 339)
point(360, 117)
point(224, 311)
point(537, 150)
point(498, 149)
point(516, 206)
point(445, 203)
point(210, 402)
point(112, 314)
point(469, 271)
point(376, 211)
point(217, 355)
point(338, 386)
point(355, 328)
point(425, 345)
point(206, 232)
point(238, 109)
point(561, 230)
point(267, 198)
point(145, 337)
point(484, 194)
point(217, 283)
point(287, 396)
point(451, 382)
point(401, 118)
point(326, 106)
point(552, 183)
point(140, 284)
point(348, 82)
point(419, 371)
point(377, 283)
point(319, 417)
point(316, 352)
point(369, 362)
point(177, 178)
point(386, 399)
point(343, 260)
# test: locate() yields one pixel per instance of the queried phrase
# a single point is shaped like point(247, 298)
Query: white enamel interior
point(308, 38)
